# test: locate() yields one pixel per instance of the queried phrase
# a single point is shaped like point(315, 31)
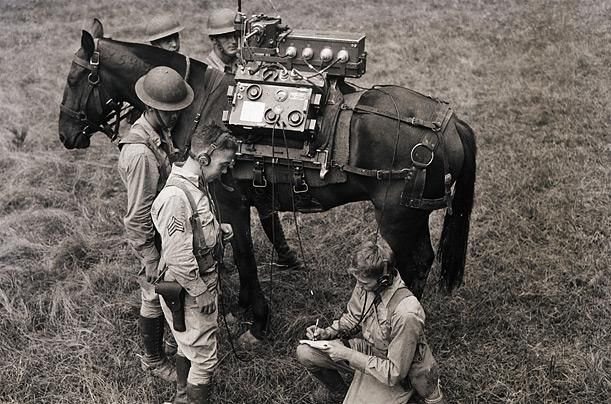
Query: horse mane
point(129, 61)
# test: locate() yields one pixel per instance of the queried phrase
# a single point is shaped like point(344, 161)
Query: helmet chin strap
point(160, 119)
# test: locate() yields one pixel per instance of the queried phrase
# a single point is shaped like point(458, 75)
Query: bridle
point(94, 85)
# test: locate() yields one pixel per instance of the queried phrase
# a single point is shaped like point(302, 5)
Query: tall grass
point(531, 322)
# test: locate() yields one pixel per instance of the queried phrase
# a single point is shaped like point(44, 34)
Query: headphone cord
point(354, 329)
point(212, 195)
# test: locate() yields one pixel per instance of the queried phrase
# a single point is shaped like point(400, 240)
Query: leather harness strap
point(413, 121)
point(422, 155)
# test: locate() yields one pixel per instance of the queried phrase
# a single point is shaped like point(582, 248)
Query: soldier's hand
point(336, 350)
point(227, 231)
point(316, 333)
point(206, 303)
point(151, 271)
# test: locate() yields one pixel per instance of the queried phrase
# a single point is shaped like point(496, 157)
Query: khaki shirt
point(393, 337)
point(214, 61)
point(171, 212)
point(143, 169)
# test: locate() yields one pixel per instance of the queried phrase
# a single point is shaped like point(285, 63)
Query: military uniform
point(144, 165)
point(190, 256)
point(392, 359)
point(214, 61)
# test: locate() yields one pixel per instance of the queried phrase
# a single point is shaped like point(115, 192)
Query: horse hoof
point(248, 340)
point(289, 264)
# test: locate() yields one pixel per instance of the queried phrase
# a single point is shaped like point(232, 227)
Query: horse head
point(103, 75)
point(84, 104)
point(101, 78)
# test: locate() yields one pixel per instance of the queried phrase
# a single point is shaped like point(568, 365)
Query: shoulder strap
point(397, 297)
point(163, 161)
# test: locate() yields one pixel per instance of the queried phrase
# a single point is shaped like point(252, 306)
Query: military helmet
point(164, 89)
point(221, 21)
point(161, 26)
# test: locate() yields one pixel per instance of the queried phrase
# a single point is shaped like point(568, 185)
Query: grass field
point(532, 322)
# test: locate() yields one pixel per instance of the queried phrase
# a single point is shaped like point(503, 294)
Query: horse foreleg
point(407, 233)
point(274, 231)
point(251, 295)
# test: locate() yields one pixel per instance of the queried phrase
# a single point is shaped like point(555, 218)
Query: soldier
point(144, 165)
point(163, 31)
point(224, 37)
point(192, 243)
point(392, 359)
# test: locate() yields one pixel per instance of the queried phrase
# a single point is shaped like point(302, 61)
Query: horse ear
point(97, 29)
point(87, 43)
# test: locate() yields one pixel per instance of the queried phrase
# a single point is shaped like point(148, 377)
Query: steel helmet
point(221, 21)
point(161, 26)
point(164, 89)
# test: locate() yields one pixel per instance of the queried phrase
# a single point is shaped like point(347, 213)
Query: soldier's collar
point(186, 174)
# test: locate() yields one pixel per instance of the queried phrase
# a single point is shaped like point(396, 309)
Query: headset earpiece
point(204, 157)
point(386, 279)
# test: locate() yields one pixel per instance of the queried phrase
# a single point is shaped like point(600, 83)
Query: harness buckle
point(94, 60)
point(300, 185)
point(258, 175)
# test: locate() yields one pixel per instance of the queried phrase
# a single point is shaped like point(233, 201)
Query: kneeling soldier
point(192, 241)
point(392, 359)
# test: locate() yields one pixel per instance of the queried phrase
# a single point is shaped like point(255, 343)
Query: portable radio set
point(282, 82)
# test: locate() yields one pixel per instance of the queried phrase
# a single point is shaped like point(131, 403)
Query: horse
point(108, 69)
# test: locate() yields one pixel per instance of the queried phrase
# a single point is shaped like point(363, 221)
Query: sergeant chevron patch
point(175, 225)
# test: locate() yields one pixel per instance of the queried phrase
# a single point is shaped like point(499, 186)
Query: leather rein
point(94, 85)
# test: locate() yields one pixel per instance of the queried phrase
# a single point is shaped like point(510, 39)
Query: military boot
point(198, 394)
point(182, 372)
point(154, 359)
point(334, 383)
point(170, 346)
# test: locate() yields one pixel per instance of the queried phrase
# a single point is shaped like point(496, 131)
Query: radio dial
point(326, 54)
point(343, 56)
point(307, 53)
point(291, 52)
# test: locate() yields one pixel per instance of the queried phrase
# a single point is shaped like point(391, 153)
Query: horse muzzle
point(78, 140)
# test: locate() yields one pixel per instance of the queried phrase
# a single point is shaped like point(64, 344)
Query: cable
point(347, 334)
point(212, 194)
point(303, 259)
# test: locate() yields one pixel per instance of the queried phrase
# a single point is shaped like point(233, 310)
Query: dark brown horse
point(377, 142)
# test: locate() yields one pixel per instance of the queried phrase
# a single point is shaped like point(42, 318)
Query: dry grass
point(531, 323)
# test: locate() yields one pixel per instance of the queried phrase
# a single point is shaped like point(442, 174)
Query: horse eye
point(72, 79)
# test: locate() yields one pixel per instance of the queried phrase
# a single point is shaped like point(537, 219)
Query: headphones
point(204, 158)
point(387, 277)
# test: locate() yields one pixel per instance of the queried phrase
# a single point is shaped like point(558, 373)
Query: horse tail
point(452, 250)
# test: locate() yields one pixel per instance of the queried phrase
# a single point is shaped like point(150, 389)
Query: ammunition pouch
point(204, 261)
point(174, 295)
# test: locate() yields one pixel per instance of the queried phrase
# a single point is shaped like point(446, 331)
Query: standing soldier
point(224, 37)
point(144, 165)
point(192, 242)
point(163, 31)
point(224, 57)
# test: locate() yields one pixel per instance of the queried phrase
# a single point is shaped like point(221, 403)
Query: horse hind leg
point(407, 233)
